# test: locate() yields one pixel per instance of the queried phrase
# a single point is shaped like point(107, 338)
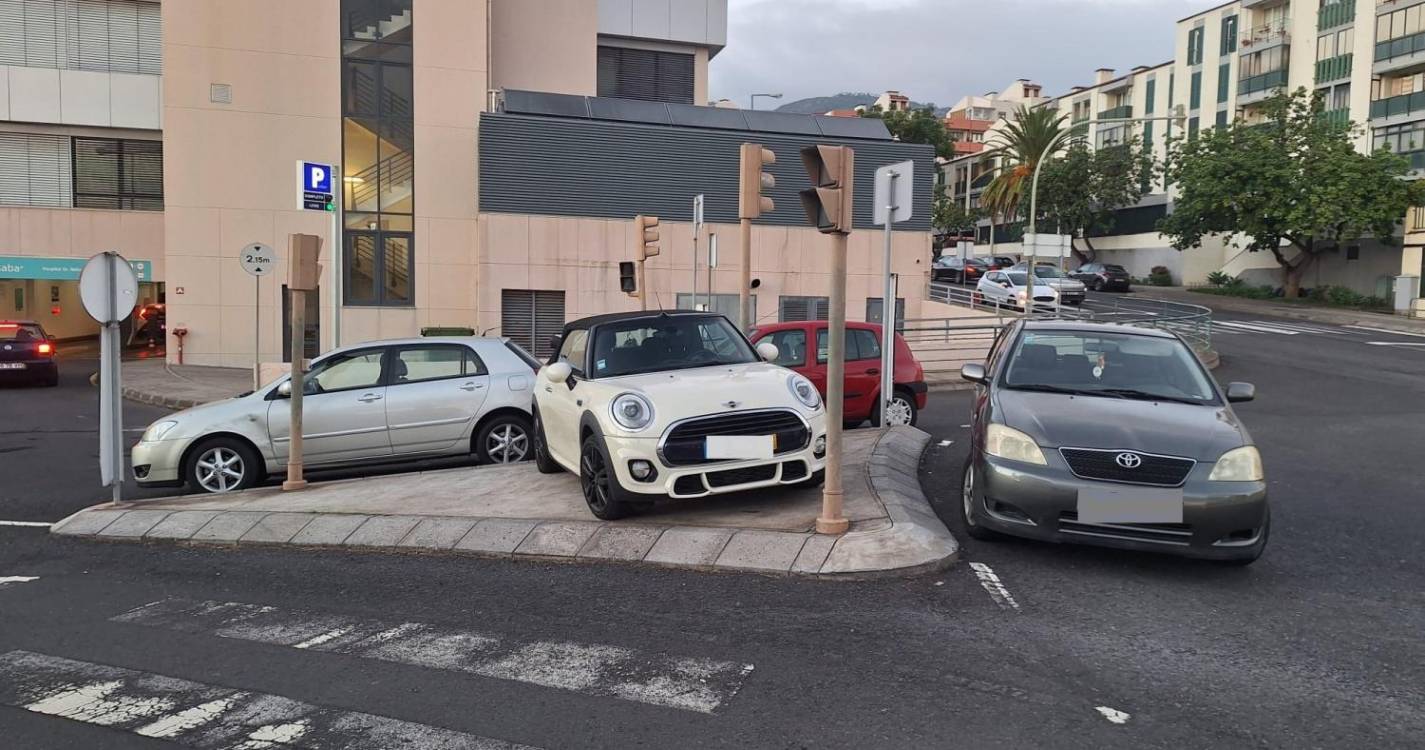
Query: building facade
point(172, 132)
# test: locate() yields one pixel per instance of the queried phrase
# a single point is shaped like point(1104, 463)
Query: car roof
point(774, 327)
point(1074, 326)
point(421, 340)
point(595, 320)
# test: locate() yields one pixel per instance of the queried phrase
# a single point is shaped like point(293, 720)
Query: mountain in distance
point(817, 105)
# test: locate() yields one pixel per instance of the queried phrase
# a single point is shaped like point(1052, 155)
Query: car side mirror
point(558, 372)
point(285, 390)
point(768, 351)
point(973, 372)
point(1240, 392)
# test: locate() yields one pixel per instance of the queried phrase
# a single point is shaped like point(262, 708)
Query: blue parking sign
point(316, 178)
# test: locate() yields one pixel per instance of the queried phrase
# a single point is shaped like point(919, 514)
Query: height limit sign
point(315, 183)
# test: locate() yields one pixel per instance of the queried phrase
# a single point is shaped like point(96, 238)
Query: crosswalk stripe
point(1304, 327)
point(1396, 343)
point(694, 684)
point(1254, 327)
point(1387, 330)
point(7, 580)
point(208, 717)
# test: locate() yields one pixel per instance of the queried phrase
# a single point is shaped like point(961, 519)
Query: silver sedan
point(377, 402)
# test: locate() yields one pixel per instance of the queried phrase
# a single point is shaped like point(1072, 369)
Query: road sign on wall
point(315, 186)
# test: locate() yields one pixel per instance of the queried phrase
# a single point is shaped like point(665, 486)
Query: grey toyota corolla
point(1115, 436)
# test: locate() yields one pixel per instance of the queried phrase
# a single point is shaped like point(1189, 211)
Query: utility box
point(1407, 289)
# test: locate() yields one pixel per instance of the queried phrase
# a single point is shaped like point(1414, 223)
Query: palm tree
point(1019, 146)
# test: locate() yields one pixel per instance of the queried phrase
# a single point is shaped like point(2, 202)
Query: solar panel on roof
point(781, 122)
point(707, 117)
point(853, 127)
point(541, 103)
point(628, 110)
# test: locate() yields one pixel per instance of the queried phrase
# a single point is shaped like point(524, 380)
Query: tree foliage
point(916, 126)
point(1082, 190)
point(1292, 185)
point(1019, 145)
point(948, 216)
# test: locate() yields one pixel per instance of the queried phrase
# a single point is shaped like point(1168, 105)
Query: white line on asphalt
point(203, 716)
point(1387, 330)
point(1255, 328)
point(1113, 714)
point(993, 586)
point(690, 683)
point(944, 443)
point(1395, 343)
point(27, 524)
point(7, 580)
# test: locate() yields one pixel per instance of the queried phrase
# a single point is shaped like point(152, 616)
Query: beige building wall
point(539, 45)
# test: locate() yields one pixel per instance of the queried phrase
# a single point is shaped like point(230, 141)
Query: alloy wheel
point(507, 444)
point(968, 495)
point(594, 478)
point(219, 469)
point(898, 412)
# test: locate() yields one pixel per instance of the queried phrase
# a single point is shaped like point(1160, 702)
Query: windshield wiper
point(1147, 396)
point(1042, 388)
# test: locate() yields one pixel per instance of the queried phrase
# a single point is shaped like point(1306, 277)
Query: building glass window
point(36, 170)
point(1195, 91)
point(378, 156)
point(1221, 119)
point(649, 75)
point(118, 173)
point(1229, 35)
point(1192, 127)
point(1150, 90)
point(1224, 82)
point(1194, 51)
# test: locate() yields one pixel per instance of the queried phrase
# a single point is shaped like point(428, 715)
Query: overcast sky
point(935, 50)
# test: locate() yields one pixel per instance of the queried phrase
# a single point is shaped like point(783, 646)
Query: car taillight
point(46, 348)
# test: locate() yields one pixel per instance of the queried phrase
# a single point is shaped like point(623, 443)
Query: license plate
point(739, 446)
point(12, 365)
point(1130, 505)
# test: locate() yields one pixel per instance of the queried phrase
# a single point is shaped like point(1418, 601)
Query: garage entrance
point(46, 290)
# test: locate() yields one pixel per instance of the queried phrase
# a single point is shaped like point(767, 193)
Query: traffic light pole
point(744, 295)
point(642, 285)
point(832, 519)
point(299, 351)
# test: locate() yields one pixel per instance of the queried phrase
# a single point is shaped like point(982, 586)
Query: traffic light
point(303, 271)
point(627, 277)
point(828, 203)
point(645, 236)
point(751, 203)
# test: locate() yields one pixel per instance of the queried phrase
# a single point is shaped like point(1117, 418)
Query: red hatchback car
point(863, 367)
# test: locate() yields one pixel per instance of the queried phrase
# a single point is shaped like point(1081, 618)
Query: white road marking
point(1387, 330)
point(1113, 714)
point(944, 443)
point(1255, 327)
point(28, 524)
point(993, 586)
point(207, 717)
point(6, 580)
point(689, 683)
point(1396, 343)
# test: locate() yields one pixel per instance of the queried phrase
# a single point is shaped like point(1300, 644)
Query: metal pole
point(832, 520)
point(744, 300)
point(256, 331)
point(712, 254)
point(642, 284)
point(888, 304)
point(336, 267)
point(116, 401)
point(299, 351)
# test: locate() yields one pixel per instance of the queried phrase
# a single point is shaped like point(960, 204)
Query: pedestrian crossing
point(1273, 327)
point(229, 717)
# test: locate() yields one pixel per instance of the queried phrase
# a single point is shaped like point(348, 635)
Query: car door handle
point(471, 387)
point(368, 398)
point(548, 389)
point(874, 371)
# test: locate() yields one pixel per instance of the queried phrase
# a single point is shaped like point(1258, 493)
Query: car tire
point(1256, 551)
point(817, 479)
point(223, 464)
point(599, 482)
point(967, 500)
point(506, 439)
point(902, 409)
point(51, 381)
point(544, 462)
point(1096, 285)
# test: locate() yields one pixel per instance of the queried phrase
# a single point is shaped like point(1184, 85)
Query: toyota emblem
point(1128, 460)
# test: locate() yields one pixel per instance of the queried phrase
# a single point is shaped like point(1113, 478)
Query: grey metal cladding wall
point(564, 167)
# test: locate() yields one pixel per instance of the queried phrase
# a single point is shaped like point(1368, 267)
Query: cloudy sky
point(936, 50)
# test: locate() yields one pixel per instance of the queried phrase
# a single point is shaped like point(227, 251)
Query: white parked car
point(673, 404)
point(1012, 288)
point(378, 402)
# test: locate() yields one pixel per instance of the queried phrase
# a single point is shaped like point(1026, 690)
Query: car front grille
point(1161, 533)
point(1162, 471)
point(684, 444)
point(793, 470)
point(733, 477)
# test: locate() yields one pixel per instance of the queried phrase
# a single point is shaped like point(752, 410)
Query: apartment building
point(490, 156)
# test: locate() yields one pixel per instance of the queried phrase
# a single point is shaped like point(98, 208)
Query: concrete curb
point(1333, 316)
point(913, 542)
point(154, 399)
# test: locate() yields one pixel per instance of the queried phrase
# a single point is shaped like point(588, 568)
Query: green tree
point(1292, 185)
point(949, 216)
point(1019, 145)
point(916, 126)
point(1081, 191)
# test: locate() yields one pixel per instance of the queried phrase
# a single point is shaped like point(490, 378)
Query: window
point(345, 371)
point(35, 170)
point(875, 308)
point(117, 173)
point(1192, 127)
point(1340, 97)
point(1195, 91)
point(1224, 82)
point(868, 345)
point(1194, 51)
point(792, 309)
point(1221, 119)
point(378, 156)
point(414, 365)
point(791, 347)
point(1229, 35)
point(532, 318)
point(1094, 362)
point(1150, 90)
point(649, 75)
point(574, 350)
point(674, 342)
point(118, 36)
point(724, 304)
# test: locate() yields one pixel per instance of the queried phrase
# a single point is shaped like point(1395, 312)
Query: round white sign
point(108, 288)
point(258, 259)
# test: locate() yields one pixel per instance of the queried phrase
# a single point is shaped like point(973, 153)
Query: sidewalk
point(514, 511)
point(1295, 310)
point(181, 386)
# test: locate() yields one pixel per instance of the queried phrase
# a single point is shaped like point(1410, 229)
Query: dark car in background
point(1113, 436)
point(1000, 262)
point(1103, 277)
point(27, 354)
point(150, 325)
point(958, 270)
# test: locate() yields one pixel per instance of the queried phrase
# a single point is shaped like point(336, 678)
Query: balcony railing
point(1278, 32)
point(1398, 105)
point(1340, 118)
point(1333, 68)
point(1401, 47)
point(1263, 82)
point(1121, 112)
point(1335, 14)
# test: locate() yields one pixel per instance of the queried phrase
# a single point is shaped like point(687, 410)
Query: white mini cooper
point(672, 404)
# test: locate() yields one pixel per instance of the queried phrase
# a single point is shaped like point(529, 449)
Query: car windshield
point(20, 332)
point(673, 342)
point(1048, 272)
point(1018, 278)
point(1114, 365)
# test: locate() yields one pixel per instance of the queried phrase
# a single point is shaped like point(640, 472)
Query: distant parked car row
point(1098, 277)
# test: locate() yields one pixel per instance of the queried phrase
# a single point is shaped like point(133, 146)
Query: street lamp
point(752, 100)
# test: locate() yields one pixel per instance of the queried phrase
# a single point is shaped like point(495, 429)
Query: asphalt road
point(1317, 645)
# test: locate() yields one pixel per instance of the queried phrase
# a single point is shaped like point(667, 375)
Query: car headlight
point(157, 430)
point(803, 391)
point(1009, 443)
point(1239, 465)
point(632, 411)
